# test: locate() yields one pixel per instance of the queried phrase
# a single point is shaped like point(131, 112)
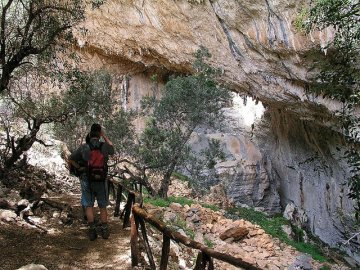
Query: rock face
point(292, 156)
point(255, 44)
point(307, 160)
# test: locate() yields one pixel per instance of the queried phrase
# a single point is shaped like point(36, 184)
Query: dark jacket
point(82, 154)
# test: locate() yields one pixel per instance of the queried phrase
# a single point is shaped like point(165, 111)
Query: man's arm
point(106, 139)
point(109, 143)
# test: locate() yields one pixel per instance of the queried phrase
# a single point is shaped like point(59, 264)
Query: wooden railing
point(140, 216)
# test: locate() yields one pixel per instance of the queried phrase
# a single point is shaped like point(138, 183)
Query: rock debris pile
point(239, 238)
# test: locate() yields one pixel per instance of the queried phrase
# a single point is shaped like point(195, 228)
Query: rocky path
point(63, 246)
point(59, 239)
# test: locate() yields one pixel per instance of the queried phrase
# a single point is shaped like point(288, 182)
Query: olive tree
point(38, 100)
point(37, 86)
point(186, 102)
point(103, 108)
point(29, 28)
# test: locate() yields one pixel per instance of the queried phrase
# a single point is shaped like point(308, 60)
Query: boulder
point(7, 215)
point(169, 216)
point(287, 229)
point(295, 215)
point(175, 207)
point(237, 233)
point(23, 202)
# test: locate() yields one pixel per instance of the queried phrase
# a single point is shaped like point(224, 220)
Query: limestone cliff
point(292, 156)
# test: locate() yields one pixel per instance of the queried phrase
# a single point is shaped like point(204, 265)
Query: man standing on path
point(93, 180)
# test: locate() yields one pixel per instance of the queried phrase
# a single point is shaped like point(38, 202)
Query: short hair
point(95, 127)
point(94, 134)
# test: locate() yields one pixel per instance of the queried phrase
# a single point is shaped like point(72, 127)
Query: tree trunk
point(22, 146)
point(162, 193)
point(147, 185)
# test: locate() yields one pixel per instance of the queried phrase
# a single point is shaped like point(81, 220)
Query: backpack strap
point(94, 147)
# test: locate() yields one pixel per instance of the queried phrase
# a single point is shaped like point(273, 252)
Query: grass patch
point(180, 223)
point(272, 226)
point(211, 206)
point(208, 243)
point(160, 202)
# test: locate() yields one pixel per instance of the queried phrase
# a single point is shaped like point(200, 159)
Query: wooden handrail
point(134, 203)
point(176, 236)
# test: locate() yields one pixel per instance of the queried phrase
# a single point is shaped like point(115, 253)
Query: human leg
point(103, 200)
point(87, 201)
point(105, 232)
point(90, 214)
point(103, 215)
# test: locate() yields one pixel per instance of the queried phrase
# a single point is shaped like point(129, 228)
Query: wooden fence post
point(118, 201)
point(200, 261)
point(210, 261)
point(165, 252)
point(130, 201)
point(134, 242)
point(146, 243)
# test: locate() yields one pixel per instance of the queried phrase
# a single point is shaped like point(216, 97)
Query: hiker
point(93, 179)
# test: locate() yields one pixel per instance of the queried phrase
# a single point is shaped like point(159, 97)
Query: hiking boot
point(105, 232)
point(92, 232)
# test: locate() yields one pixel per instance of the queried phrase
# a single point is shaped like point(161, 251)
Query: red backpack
point(97, 167)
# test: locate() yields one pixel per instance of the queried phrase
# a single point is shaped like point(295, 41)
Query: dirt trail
point(65, 246)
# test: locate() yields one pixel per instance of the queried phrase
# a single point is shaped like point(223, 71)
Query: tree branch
point(2, 32)
point(43, 143)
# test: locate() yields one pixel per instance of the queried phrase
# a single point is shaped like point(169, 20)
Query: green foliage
point(99, 103)
point(186, 102)
point(208, 243)
point(213, 153)
point(35, 84)
point(41, 96)
point(31, 28)
point(272, 226)
point(339, 71)
point(180, 223)
point(181, 200)
point(200, 166)
point(211, 206)
point(300, 21)
point(154, 77)
point(298, 233)
point(161, 202)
